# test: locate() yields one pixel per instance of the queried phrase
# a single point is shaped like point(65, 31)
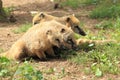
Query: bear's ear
point(42, 15)
point(67, 19)
point(62, 30)
point(73, 14)
point(49, 32)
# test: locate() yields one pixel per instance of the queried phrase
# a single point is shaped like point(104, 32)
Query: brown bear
point(70, 21)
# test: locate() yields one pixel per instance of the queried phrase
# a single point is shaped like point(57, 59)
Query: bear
point(70, 21)
point(39, 39)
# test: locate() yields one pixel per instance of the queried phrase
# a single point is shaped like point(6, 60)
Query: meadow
point(92, 61)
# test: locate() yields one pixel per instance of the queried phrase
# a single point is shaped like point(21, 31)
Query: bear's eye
point(68, 19)
point(57, 40)
point(76, 26)
point(62, 30)
point(36, 22)
point(42, 15)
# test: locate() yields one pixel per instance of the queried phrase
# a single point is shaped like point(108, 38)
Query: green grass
point(101, 59)
point(28, 72)
point(101, 36)
point(105, 24)
point(23, 28)
point(71, 3)
point(106, 10)
point(77, 3)
point(13, 70)
point(116, 34)
point(111, 27)
point(90, 2)
point(6, 12)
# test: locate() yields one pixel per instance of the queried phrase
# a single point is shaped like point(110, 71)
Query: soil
point(22, 11)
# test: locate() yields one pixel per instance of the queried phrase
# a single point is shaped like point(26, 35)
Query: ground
point(22, 14)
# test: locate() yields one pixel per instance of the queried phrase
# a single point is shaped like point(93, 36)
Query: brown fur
point(39, 39)
point(70, 21)
point(66, 33)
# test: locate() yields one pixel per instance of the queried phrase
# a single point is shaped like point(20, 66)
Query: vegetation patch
point(78, 3)
point(5, 13)
point(107, 9)
point(22, 28)
point(71, 3)
point(102, 59)
point(13, 70)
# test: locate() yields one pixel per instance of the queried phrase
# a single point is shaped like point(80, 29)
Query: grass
point(18, 71)
point(110, 26)
point(98, 60)
point(5, 13)
point(105, 24)
point(101, 59)
point(90, 2)
point(107, 9)
point(8, 10)
point(77, 3)
point(28, 72)
point(22, 28)
point(71, 3)
point(104, 8)
point(106, 12)
point(116, 34)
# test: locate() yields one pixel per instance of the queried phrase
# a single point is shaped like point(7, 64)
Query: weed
point(23, 28)
point(78, 3)
point(8, 10)
point(100, 36)
point(62, 74)
point(106, 11)
point(27, 72)
point(16, 71)
point(6, 68)
point(89, 2)
point(104, 24)
point(5, 12)
point(71, 3)
point(49, 71)
point(103, 59)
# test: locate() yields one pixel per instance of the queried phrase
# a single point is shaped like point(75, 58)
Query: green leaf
point(98, 72)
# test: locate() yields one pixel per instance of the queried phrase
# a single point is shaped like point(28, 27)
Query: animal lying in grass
point(67, 34)
point(70, 21)
point(40, 39)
